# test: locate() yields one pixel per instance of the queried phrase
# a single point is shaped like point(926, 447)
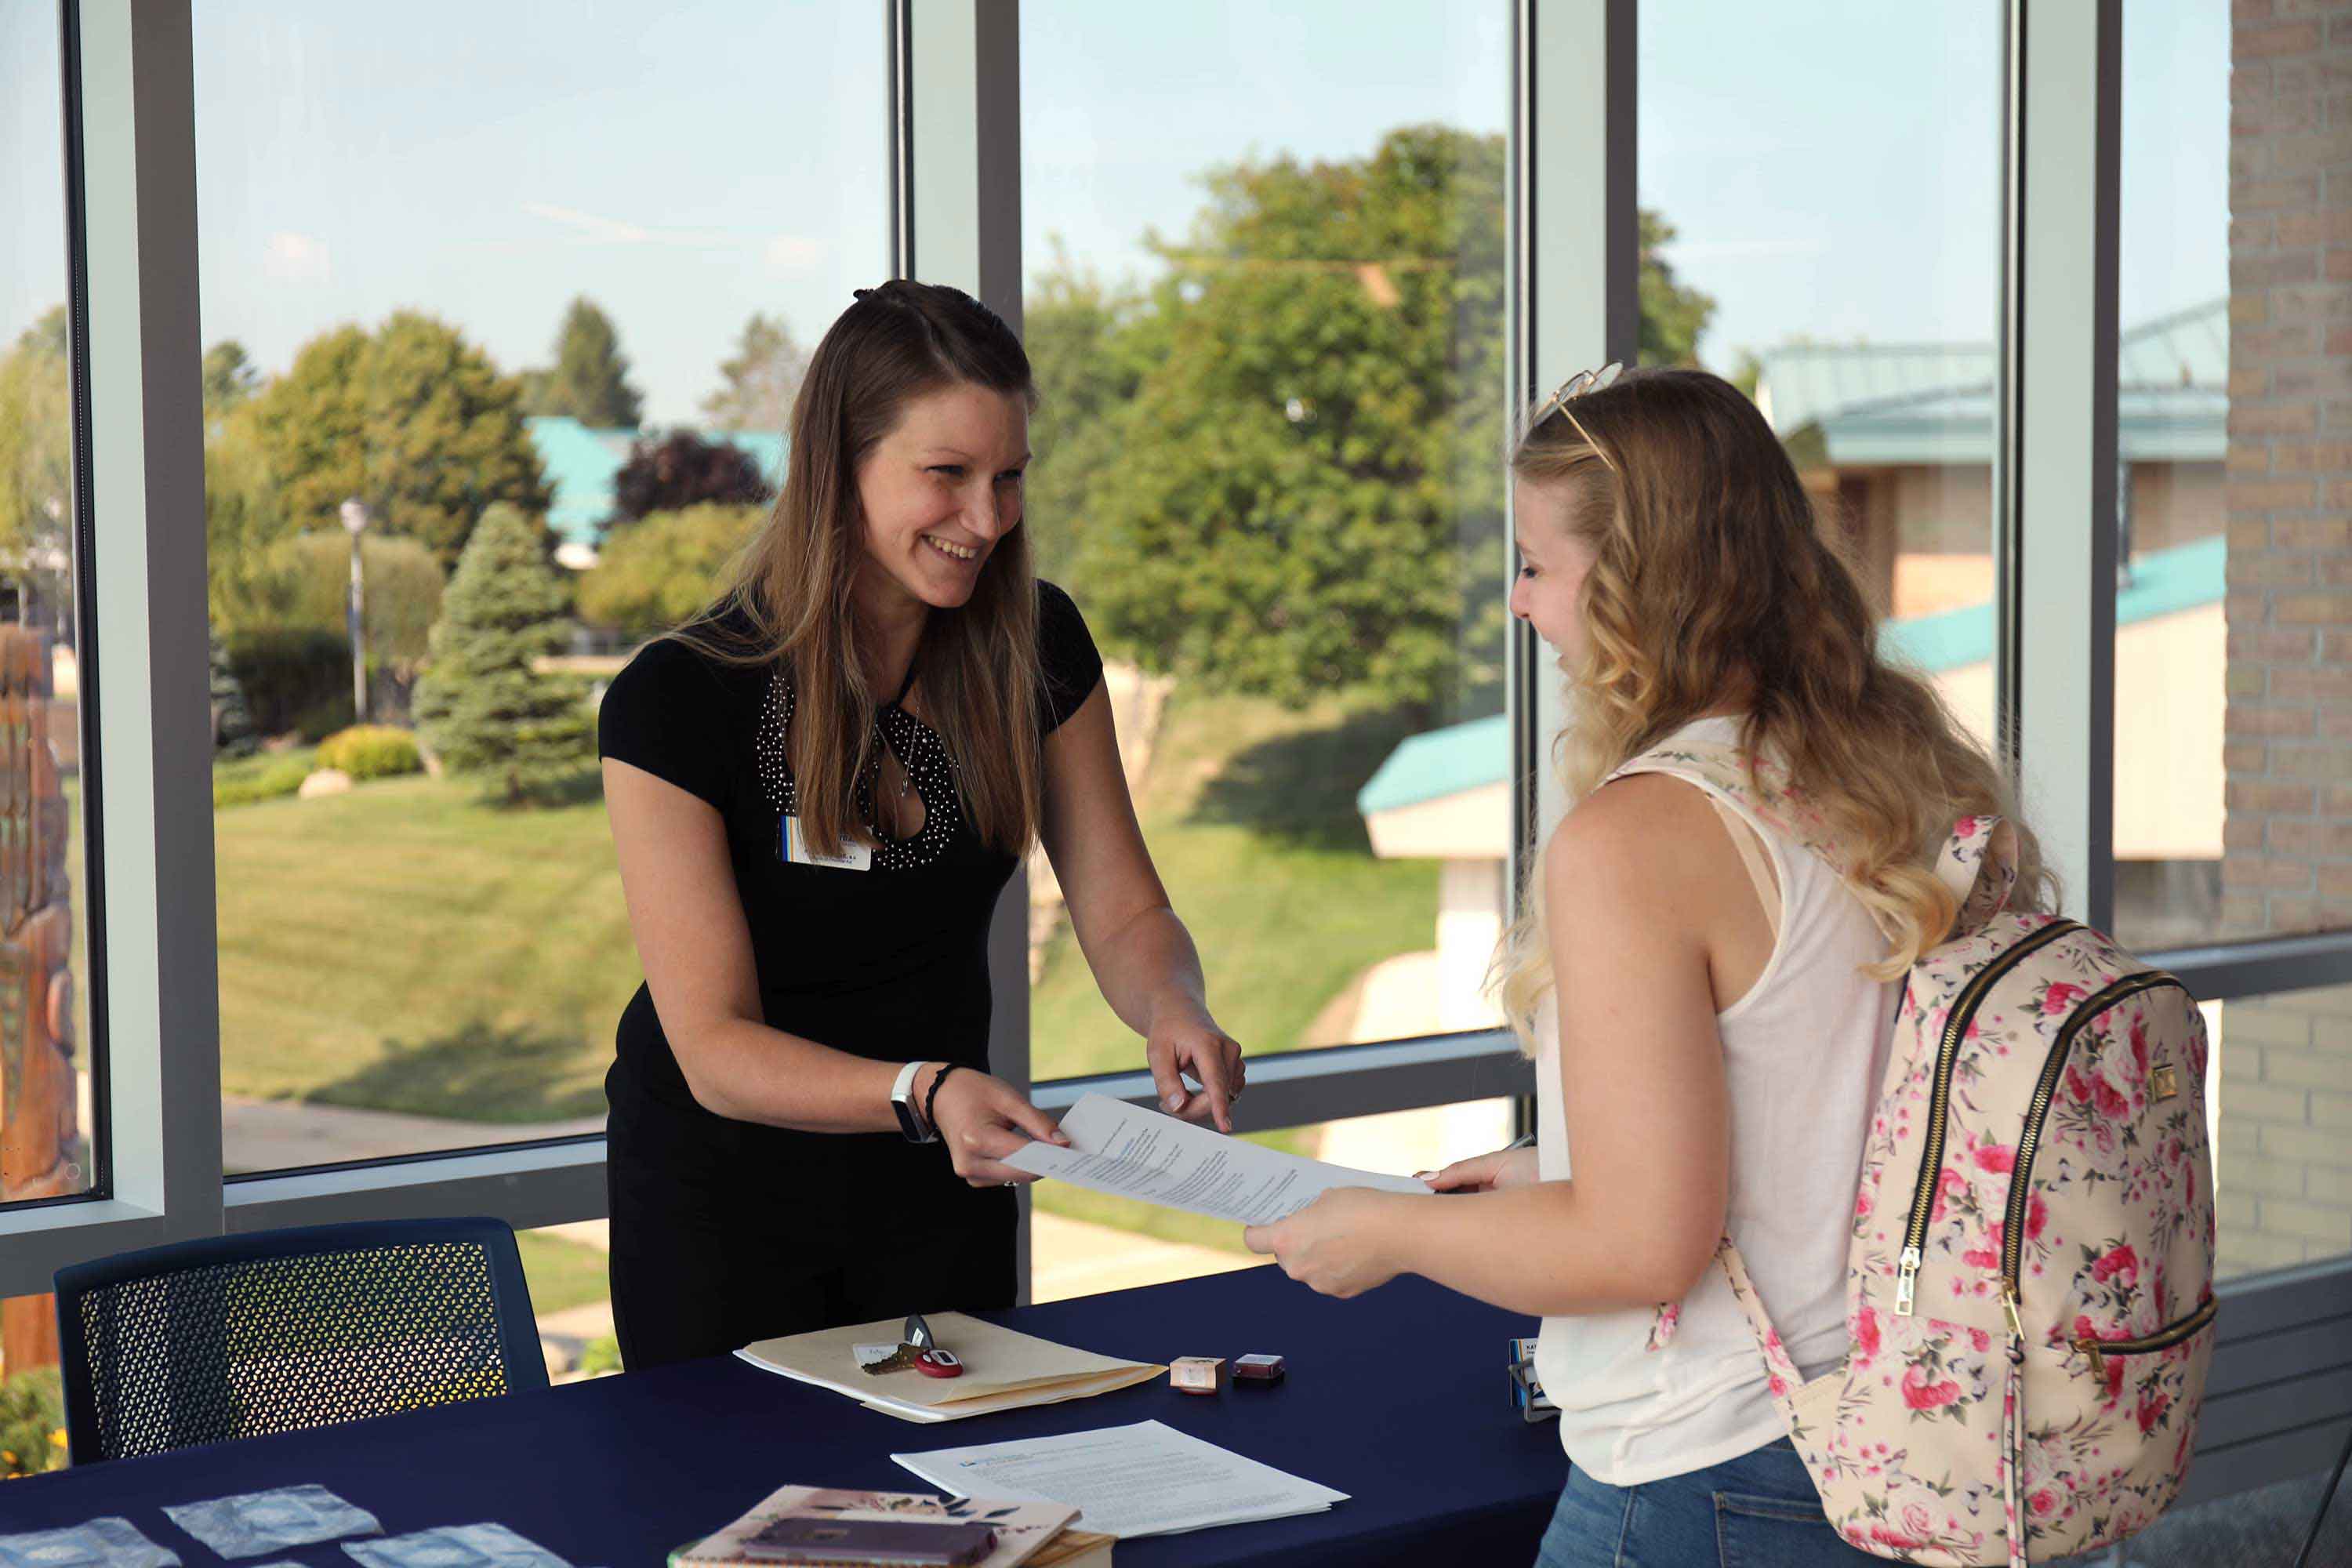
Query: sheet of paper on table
point(1132, 1152)
point(1144, 1479)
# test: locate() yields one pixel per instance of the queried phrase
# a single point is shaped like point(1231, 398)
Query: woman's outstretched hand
point(982, 1119)
point(1492, 1173)
point(1214, 1058)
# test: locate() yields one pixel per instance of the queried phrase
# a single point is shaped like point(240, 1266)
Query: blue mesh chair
point(278, 1330)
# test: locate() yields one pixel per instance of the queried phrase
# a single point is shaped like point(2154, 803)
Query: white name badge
point(792, 847)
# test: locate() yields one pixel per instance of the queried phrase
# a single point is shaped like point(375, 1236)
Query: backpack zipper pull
point(1905, 1281)
point(2090, 1349)
point(2009, 1306)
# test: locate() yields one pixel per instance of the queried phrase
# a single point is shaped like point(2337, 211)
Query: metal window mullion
point(1298, 1088)
point(1575, 253)
point(955, 116)
point(1578, 255)
point(139, 482)
point(2056, 529)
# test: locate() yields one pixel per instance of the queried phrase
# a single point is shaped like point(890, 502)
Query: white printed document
point(1131, 1153)
point(1144, 1479)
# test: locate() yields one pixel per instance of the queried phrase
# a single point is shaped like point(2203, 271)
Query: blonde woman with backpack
point(1709, 995)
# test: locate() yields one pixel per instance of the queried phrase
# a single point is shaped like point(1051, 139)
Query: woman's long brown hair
point(1711, 578)
point(789, 593)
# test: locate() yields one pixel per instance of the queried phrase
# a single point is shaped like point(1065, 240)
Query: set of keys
point(917, 1349)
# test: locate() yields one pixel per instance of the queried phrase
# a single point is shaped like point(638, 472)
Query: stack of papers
point(1003, 1369)
point(1132, 1152)
point(1144, 1479)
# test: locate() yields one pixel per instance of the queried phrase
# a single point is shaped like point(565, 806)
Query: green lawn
point(406, 948)
point(561, 1274)
point(1250, 813)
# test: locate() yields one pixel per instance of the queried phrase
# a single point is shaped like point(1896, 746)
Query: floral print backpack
point(2030, 1282)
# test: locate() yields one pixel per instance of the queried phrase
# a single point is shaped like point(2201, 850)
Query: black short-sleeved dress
point(726, 1231)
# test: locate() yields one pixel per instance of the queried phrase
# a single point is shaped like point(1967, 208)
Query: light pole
point(355, 520)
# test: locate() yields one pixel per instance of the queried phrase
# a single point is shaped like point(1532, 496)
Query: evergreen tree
point(480, 705)
point(757, 386)
point(590, 378)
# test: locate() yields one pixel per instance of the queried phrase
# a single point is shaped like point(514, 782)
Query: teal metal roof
point(1881, 405)
point(1439, 762)
point(581, 462)
point(2162, 584)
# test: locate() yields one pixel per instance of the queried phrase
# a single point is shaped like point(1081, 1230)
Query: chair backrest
point(278, 1330)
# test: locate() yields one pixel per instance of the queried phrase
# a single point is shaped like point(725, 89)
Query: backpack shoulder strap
point(1978, 865)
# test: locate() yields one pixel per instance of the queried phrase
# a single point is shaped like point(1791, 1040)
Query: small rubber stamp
point(1195, 1374)
point(1262, 1370)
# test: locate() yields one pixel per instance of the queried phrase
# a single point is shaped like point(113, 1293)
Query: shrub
point(370, 751)
point(599, 1356)
point(259, 778)
point(653, 574)
point(287, 672)
point(32, 1423)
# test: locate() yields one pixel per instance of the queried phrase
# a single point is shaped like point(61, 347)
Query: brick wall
point(2286, 1062)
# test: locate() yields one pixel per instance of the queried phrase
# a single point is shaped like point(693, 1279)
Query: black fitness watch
point(912, 1122)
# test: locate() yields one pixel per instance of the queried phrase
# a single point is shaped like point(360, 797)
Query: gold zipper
point(2098, 1350)
point(1939, 1098)
point(2028, 1143)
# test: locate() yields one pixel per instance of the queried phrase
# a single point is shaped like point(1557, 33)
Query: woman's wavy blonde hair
point(1711, 577)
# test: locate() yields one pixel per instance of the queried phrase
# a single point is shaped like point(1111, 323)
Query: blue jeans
point(1759, 1510)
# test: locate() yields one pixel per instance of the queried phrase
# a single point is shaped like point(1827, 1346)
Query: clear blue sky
point(1830, 165)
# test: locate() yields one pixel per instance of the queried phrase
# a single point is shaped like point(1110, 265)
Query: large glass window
point(1272, 353)
point(2234, 607)
point(460, 276)
point(46, 1055)
point(1828, 214)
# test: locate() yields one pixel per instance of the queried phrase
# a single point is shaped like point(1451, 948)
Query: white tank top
point(1802, 1054)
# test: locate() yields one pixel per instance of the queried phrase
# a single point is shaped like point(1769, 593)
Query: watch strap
point(932, 1098)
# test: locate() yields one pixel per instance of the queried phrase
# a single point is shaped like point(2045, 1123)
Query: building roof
point(1884, 405)
point(580, 463)
point(1439, 762)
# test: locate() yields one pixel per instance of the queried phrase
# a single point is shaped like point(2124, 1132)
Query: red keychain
point(937, 1362)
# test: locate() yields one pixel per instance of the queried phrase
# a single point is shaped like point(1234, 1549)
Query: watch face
point(911, 1124)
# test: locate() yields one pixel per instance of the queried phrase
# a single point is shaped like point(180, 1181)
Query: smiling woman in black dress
point(817, 790)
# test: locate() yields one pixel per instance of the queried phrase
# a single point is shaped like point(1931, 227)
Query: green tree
point(590, 378)
point(1088, 350)
point(403, 601)
point(757, 386)
point(1672, 314)
point(411, 419)
point(243, 525)
point(36, 442)
point(663, 568)
point(230, 378)
point(1278, 473)
point(482, 704)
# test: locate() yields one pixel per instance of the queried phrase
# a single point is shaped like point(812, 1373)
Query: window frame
point(956, 209)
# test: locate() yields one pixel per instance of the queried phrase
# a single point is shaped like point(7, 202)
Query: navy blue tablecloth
point(1398, 1398)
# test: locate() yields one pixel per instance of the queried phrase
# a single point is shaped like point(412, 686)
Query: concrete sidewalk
point(286, 1134)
